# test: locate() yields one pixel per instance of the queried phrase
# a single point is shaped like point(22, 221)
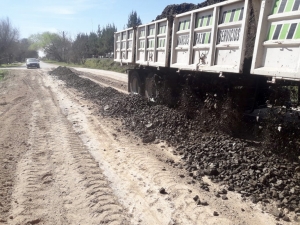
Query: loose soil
point(75, 152)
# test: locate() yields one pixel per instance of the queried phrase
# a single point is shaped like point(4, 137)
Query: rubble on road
point(250, 168)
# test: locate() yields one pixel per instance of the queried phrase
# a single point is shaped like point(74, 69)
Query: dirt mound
point(244, 166)
point(176, 9)
point(184, 7)
point(63, 71)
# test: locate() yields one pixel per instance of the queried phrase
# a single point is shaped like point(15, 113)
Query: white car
point(32, 62)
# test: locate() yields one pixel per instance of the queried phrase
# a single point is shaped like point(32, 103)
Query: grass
point(293, 90)
point(102, 64)
point(10, 65)
point(2, 74)
point(62, 63)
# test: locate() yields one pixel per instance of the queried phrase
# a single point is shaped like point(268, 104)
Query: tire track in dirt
point(149, 175)
point(11, 105)
point(13, 141)
point(54, 176)
point(58, 180)
point(175, 207)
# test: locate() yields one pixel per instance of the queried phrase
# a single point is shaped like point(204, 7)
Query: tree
point(133, 20)
point(106, 39)
point(80, 49)
point(93, 43)
point(23, 51)
point(8, 39)
point(56, 46)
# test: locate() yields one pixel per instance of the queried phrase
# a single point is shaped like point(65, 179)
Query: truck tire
point(150, 87)
point(135, 83)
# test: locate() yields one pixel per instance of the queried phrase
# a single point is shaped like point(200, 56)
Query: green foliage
point(2, 74)
point(10, 65)
point(55, 46)
point(106, 39)
point(102, 64)
point(63, 63)
point(9, 37)
point(93, 44)
point(80, 49)
point(59, 48)
point(133, 20)
point(105, 64)
point(40, 41)
point(23, 51)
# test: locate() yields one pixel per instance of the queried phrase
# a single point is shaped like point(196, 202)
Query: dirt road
point(63, 163)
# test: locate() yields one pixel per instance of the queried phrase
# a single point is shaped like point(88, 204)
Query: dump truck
point(236, 44)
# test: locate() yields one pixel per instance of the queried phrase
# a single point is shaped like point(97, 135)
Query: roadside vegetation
point(16, 64)
point(12, 48)
point(99, 63)
point(60, 47)
point(2, 74)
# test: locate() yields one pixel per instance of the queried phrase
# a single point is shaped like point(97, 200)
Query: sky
point(78, 16)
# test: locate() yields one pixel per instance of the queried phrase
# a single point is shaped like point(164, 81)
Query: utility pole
point(63, 53)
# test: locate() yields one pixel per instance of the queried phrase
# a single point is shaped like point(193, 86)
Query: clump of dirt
point(64, 71)
point(244, 166)
point(281, 130)
point(174, 9)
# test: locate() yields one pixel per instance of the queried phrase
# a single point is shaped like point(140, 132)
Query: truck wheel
point(150, 87)
point(135, 83)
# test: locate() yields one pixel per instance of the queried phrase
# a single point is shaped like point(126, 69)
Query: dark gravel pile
point(261, 171)
point(176, 9)
point(184, 7)
point(249, 170)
